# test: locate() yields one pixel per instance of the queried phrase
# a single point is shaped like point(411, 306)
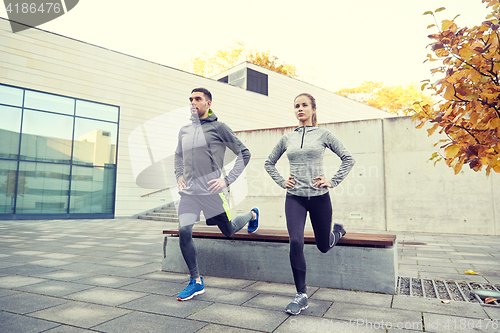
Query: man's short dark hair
point(208, 95)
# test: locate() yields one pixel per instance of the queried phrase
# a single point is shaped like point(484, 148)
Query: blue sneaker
point(253, 225)
point(191, 290)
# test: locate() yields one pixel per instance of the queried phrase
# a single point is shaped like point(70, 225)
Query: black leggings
point(320, 213)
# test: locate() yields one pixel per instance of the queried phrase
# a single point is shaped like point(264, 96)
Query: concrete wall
point(392, 187)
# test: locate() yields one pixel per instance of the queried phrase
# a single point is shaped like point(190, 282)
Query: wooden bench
point(360, 261)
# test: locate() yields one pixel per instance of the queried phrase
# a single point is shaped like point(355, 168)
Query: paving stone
point(407, 272)
point(7, 292)
point(226, 296)
point(64, 275)
point(167, 276)
point(50, 262)
point(372, 314)
point(453, 277)
point(13, 281)
point(20, 259)
point(435, 306)
point(54, 288)
point(60, 256)
point(90, 260)
point(14, 323)
point(146, 322)
point(146, 258)
point(214, 328)
point(78, 246)
point(356, 297)
point(131, 272)
point(68, 329)
point(108, 281)
point(438, 323)
point(5, 264)
point(242, 317)
point(29, 253)
point(23, 303)
point(493, 313)
point(84, 267)
point(156, 287)
point(219, 282)
point(434, 269)
point(80, 314)
point(277, 288)
point(106, 296)
point(278, 303)
point(166, 305)
point(27, 270)
point(304, 323)
point(123, 263)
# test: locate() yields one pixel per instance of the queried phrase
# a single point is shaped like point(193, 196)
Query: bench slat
point(360, 239)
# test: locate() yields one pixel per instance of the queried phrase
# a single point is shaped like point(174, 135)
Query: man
point(199, 159)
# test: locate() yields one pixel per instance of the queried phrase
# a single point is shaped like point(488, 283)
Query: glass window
point(43, 188)
point(46, 137)
point(43, 142)
point(95, 142)
point(92, 190)
point(11, 96)
point(97, 111)
point(8, 181)
point(10, 125)
point(47, 102)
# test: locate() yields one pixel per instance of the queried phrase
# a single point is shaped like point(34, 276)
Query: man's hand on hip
point(216, 185)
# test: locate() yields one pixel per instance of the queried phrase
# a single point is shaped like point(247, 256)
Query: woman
point(307, 189)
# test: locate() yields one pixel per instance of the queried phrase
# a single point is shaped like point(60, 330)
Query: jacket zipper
point(303, 133)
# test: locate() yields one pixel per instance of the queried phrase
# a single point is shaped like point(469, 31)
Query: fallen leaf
point(445, 301)
point(470, 272)
point(489, 300)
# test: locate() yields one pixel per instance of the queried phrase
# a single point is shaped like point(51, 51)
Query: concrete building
point(89, 132)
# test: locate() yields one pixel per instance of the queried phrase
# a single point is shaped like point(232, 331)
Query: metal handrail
point(158, 191)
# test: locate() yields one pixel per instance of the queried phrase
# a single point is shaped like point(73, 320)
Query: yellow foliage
point(469, 109)
point(400, 100)
point(451, 151)
point(208, 66)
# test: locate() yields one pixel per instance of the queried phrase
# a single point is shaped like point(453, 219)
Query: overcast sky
point(333, 43)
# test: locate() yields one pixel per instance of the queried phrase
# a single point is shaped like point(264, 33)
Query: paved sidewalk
point(104, 276)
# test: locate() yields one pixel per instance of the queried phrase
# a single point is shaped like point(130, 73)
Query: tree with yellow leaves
point(396, 99)
point(208, 66)
point(469, 113)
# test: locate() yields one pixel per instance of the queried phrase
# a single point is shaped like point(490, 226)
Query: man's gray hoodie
point(199, 156)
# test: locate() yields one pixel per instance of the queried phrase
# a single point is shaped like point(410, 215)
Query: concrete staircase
point(166, 213)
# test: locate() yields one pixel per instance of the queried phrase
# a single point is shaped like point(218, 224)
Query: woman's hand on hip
point(290, 183)
point(322, 182)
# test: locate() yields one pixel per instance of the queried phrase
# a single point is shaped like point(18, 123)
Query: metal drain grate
point(445, 290)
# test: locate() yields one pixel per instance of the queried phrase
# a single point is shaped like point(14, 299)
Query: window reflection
point(10, 125)
point(8, 179)
point(46, 137)
point(95, 142)
point(53, 162)
point(97, 111)
point(92, 190)
point(46, 102)
point(42, 188)
point(11, 96)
